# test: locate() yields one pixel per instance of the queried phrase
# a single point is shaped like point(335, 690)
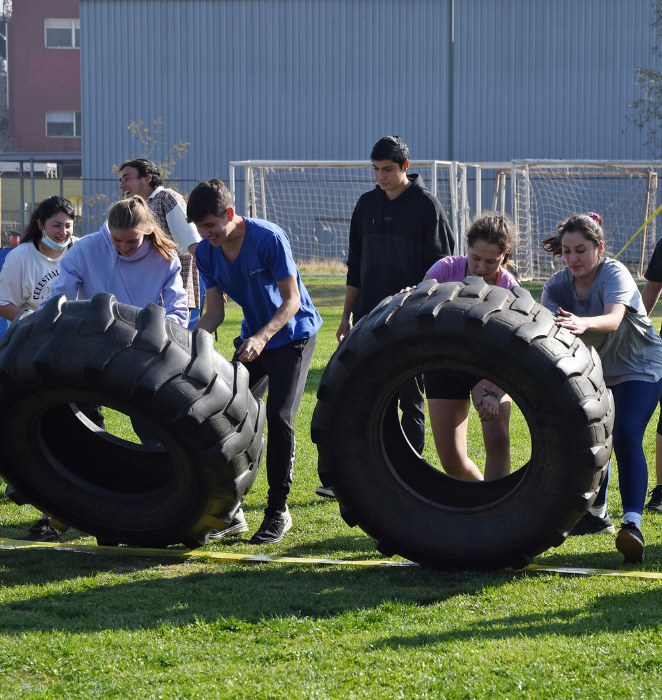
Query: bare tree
point(646, 112)
point(152, 143)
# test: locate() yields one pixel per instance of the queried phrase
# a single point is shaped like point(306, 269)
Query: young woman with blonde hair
point(130, 257)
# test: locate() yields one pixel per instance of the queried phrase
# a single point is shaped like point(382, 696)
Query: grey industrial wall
point(323, 79)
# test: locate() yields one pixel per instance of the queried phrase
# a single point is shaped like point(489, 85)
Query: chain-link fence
point(20, 196)
point(313, 203)
point(90, 197)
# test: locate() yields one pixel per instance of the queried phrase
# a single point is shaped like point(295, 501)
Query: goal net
point(313, 201)
point(544, 193)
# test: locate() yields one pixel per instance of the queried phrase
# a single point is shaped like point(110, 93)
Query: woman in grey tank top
point(597, 299)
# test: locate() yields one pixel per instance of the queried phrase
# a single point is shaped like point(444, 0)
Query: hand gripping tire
point(135, 361)
point(419, 512)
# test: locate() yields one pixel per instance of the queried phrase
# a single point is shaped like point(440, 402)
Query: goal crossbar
point(313, 200)
point(544, 192)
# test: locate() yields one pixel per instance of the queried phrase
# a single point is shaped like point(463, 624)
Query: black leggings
point(287, 370)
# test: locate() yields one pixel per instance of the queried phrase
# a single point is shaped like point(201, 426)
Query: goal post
point(623, 193)
point(313, 201)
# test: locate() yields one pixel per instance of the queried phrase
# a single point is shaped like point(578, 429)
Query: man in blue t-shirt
point(251, 261)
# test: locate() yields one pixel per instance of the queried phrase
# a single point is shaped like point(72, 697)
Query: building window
point(62, 33)
point(63, 124)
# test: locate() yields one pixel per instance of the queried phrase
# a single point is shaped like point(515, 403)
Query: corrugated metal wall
point(541, 79)
point(324, 79)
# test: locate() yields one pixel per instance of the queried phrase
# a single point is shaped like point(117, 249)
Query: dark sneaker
point(236, 525)
point(655, 502)
point(324, 491)
point(630, 543)
point(42, 531)
point(592, 525)
point(273, 528)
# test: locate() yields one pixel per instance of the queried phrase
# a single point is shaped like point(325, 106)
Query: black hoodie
point(394, 242)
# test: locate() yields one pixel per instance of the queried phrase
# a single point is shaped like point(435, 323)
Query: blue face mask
point(53, 245)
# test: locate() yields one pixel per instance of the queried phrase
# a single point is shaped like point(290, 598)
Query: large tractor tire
point(167, 378)
point(415, 510)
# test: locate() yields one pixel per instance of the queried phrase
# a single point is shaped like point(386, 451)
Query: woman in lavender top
point(130, 257)
point(489, 243)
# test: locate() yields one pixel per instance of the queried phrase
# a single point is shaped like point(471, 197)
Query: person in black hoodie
point(398, 231)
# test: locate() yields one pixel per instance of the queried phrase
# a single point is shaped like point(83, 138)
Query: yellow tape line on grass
point(179, 553)
point(596, 572)
point(8, 544)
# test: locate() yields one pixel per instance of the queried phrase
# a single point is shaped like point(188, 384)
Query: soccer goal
point(313, 201)
point(623, 193)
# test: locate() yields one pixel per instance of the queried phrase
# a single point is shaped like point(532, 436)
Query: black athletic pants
point(411, 398)
point(95, 414)
point(287, 370)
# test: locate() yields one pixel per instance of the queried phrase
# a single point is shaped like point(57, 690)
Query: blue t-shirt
point(264, 259)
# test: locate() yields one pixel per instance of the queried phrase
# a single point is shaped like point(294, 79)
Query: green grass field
point(82, 626)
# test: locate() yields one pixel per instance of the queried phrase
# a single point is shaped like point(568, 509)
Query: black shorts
point(447, 384)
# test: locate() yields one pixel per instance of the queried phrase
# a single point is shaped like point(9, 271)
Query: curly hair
point(496, 228)
point(589, 225)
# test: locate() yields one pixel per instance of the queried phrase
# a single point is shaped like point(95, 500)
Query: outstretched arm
point(605, 323)
point(214, 313)
point(251, 348)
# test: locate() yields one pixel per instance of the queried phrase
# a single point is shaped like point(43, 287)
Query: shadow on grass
point(615, 613)
point(313, 379)
point(78, 593)
point(248, 593)
point(19, 530)
point(316, 502)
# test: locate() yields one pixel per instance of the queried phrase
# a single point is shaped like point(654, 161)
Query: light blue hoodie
point(94, 265)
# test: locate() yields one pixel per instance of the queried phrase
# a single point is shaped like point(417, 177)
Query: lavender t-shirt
point(454, 269)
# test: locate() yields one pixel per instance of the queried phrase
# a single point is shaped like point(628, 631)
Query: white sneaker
point(237, 524)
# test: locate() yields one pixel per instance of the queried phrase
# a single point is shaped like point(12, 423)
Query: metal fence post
point(22, 198)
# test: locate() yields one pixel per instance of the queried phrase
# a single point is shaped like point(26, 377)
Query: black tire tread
point(170, 379)
point(490, 322)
